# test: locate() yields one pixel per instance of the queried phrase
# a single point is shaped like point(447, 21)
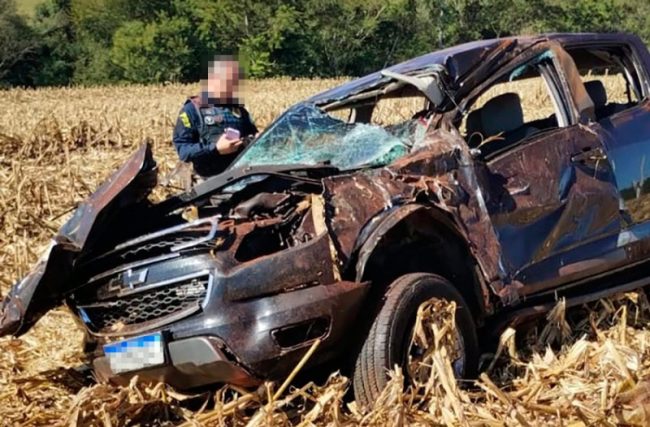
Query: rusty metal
point(41, 290)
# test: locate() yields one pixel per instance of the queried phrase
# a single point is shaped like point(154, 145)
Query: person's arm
point(187, 139)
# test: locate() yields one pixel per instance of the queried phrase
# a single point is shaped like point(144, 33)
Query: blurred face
point(222, 83)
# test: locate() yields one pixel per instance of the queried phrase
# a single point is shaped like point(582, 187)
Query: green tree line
point(111, 41)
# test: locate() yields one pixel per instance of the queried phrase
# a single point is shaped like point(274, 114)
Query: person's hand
point(228, 146)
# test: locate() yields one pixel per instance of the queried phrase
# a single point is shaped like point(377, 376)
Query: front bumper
point(193, 362)
point(246, 342)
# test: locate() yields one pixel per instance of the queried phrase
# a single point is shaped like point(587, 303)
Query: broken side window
point(609, 77)
point(399, 110)
point(516, 106)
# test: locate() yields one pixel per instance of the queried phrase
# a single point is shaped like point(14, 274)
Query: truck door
point(553, 198)
point(616, 79)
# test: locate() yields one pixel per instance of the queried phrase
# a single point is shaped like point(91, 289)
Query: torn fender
point(372, 234)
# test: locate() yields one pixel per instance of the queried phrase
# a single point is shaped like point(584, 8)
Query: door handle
point(589, 155)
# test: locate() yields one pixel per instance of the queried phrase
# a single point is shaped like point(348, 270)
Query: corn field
point(582, 366)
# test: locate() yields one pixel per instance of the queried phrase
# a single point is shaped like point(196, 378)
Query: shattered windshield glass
point(307, 135)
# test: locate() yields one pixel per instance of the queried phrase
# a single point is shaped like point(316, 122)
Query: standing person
point(211, 127)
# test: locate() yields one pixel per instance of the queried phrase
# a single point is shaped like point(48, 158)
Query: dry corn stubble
point(56, 146)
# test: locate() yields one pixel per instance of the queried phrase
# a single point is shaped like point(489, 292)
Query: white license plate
point(135, 353)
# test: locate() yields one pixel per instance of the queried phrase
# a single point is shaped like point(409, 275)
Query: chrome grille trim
point(126, 292)
point(132, 265)
point(213, 221)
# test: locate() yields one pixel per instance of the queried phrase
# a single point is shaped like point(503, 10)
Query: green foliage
point(94, 65)
point(105, 56)
point(58, 50)
point(27, 7)
point(152, 52)
point(104, 41)
point(97, 19)
point(584, 15)
point(18, 43)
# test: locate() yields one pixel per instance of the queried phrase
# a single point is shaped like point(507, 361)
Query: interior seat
point(503, 115)
point(598, 94)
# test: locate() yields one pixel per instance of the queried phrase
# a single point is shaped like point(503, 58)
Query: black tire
point(390, 331)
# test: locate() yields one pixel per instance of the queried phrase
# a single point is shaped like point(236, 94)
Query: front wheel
point(391, 340)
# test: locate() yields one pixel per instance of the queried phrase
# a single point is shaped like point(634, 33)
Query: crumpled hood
point(43, 288)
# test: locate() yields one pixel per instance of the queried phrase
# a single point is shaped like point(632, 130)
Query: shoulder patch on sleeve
point(185, 119)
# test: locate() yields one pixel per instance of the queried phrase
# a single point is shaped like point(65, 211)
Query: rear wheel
point(391, 338)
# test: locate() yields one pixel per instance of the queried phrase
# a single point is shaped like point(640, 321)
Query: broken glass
point(307, 135)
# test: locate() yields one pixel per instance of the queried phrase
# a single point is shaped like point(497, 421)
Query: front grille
point(142, 252)
point(153, 305)
point(163, 246)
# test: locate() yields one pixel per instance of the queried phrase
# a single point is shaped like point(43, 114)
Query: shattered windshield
point(307, 135)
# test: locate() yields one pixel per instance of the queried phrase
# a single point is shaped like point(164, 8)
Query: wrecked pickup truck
point(431, 179)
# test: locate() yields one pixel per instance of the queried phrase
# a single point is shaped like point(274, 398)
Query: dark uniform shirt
point(199, 127)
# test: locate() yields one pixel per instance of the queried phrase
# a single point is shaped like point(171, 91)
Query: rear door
point(616, 76)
